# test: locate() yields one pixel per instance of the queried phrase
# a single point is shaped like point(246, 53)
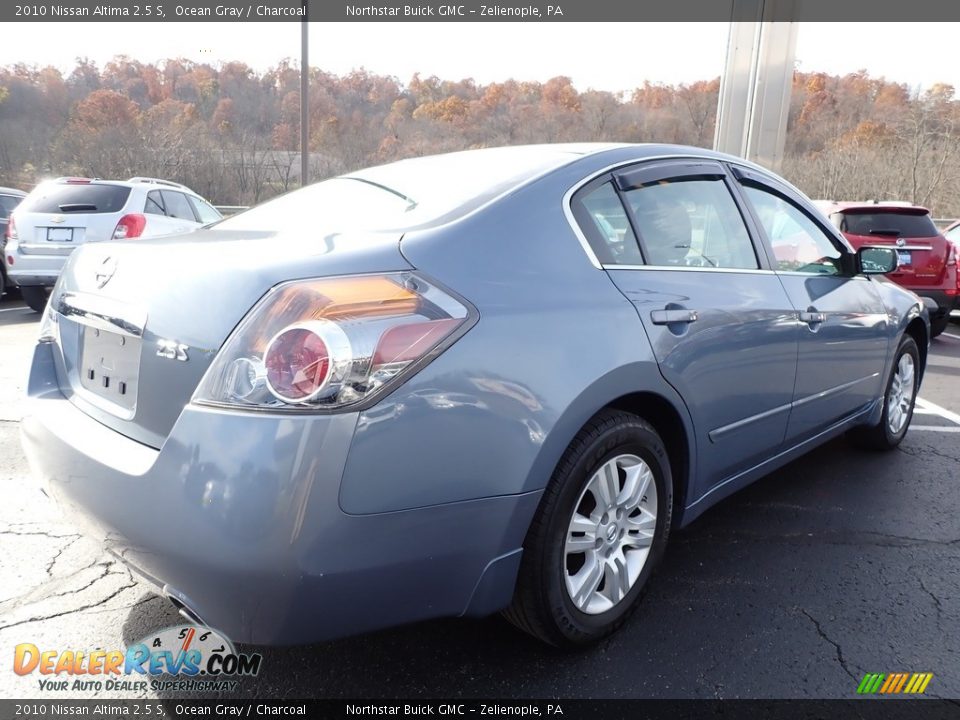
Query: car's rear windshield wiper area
point(884, 231)
point(77, 207)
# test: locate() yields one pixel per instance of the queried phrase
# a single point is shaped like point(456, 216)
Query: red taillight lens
point(334, 342)
point(130, 226)
point(9, 259)
point(11, 232)
point(404, 343)
point(298, 362)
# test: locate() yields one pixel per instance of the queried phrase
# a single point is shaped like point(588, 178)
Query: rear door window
point(177, 205)
point(86, 198)
point(693, 222)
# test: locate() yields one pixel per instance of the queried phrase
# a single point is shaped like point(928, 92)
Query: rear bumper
point(237, 517)
point(945, 303)
point(32, 270)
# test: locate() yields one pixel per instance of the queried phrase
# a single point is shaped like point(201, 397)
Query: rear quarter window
point(886, 223)
point(76, 198)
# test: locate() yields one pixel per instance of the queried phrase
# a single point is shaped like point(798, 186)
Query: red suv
point(928, 261)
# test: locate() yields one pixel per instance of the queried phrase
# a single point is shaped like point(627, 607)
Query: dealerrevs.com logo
point(182, 658)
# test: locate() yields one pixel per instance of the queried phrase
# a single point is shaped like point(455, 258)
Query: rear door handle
point(812, 318)
point(668, 317)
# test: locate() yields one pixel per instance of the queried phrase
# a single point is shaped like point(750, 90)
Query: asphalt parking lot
point(845, 562)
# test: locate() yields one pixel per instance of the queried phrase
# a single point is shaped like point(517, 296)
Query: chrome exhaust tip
point(185, 611)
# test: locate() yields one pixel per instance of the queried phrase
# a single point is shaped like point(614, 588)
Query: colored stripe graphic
point(894, 683)
point(891, 681)
point(870, 683)
point(903, 680)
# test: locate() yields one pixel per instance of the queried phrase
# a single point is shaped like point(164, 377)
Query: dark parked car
point(455, 385)
point(928, 263)
point(9, 199)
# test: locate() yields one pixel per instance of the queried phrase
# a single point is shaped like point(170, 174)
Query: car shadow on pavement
point(14, 315)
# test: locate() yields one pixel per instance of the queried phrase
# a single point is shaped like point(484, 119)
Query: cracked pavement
point(844, 562)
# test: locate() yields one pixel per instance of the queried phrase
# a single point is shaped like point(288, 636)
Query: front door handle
point(668, 317)
point(813, 318)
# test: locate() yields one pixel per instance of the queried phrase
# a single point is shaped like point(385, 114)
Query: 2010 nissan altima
point(454, 385)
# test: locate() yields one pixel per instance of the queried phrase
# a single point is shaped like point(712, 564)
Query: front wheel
point(898, 402)
point(599, 532)
point(35, 297)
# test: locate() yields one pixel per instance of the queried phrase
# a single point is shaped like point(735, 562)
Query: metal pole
point(304, 101)
point(756, 84)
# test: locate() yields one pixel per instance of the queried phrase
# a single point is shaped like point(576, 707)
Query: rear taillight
point(333, 343)
point(11, 232)
point(952, 262)
point(130, 226)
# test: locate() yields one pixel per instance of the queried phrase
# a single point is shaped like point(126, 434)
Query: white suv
point(61, 214)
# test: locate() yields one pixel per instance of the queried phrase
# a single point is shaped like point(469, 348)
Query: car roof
point(134, 182)
point(460, 181)
point(863, 206)
point(12, 191)
point(476, 169)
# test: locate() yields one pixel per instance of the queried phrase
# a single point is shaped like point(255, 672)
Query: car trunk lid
point(141, 321)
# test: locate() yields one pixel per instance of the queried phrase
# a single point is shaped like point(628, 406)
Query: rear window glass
point(339, 203)
point(404, 194)
point(77, 198)
point(885, 223)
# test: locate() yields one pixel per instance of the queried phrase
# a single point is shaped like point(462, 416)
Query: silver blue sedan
point(486, 381)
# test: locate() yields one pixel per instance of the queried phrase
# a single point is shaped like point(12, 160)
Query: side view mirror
point(877, 260)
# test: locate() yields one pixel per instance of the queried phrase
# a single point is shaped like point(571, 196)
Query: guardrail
point(228, 210)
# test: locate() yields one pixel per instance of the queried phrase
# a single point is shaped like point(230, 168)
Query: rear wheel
point(35, 297)
point(599, 532)
point(898, 401)
point(939, 324)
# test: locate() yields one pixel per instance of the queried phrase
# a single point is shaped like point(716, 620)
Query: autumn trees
point(233, 133)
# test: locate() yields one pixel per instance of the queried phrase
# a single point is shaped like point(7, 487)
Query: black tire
point(35, 297)
point(879, 436)
point(939, 324)
point(541, 604)
point(3, 283)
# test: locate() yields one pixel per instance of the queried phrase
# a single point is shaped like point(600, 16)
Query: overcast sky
point(919, 54)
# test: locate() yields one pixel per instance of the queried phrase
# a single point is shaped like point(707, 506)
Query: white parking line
point(936, 428)
point(950, 335)
point(937, 410)
point(13, 308)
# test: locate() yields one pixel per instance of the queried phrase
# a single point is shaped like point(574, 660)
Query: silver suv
point(61, 214)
